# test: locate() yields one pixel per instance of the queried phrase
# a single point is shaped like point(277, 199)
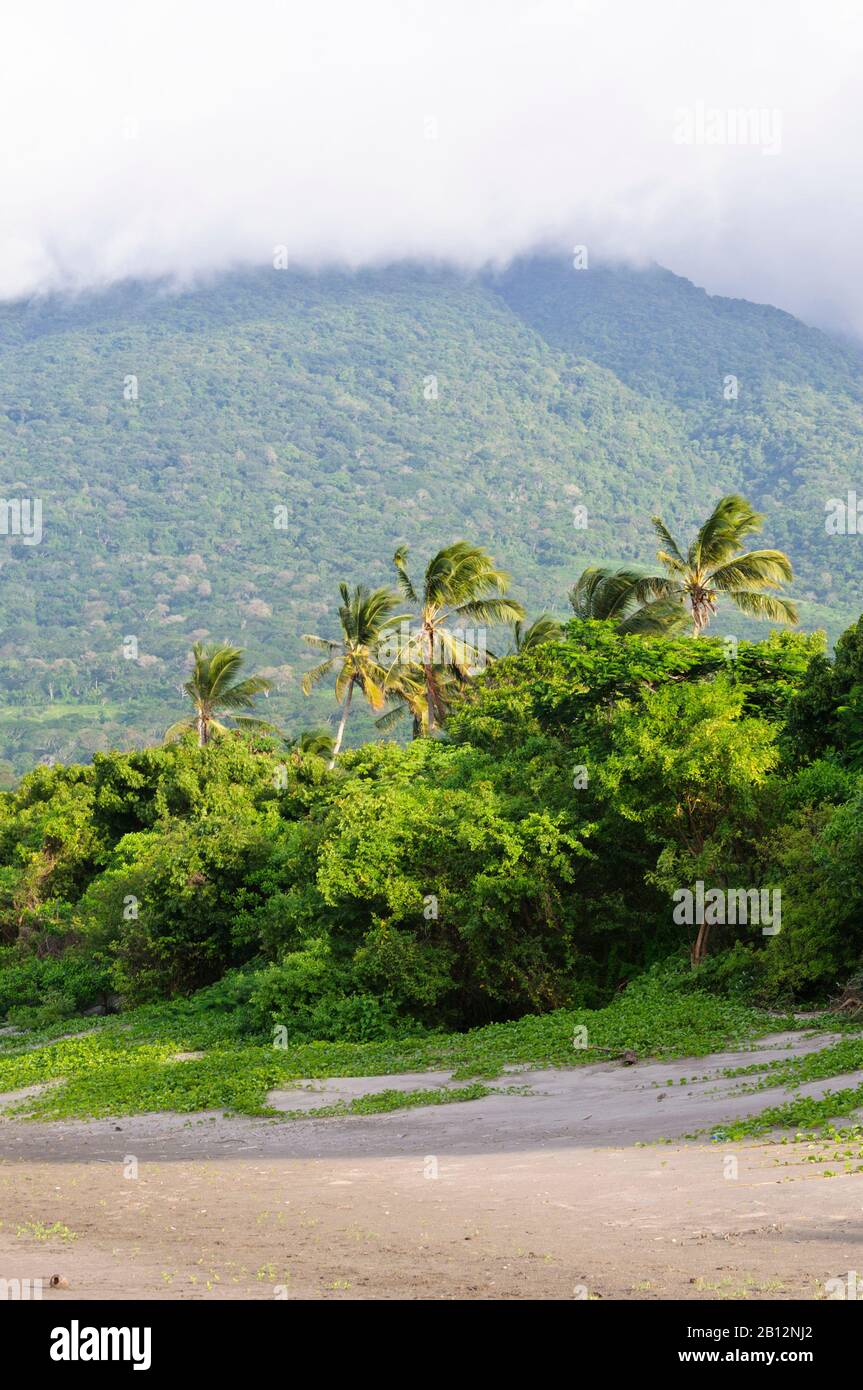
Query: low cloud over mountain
point(178, 141)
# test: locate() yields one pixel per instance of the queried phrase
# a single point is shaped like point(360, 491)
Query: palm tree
point(405, 688)
point(713, 565)
point(309, 755)
point(365, 618)
point(213, 689)
point(542, 629)
point(311, 743)
point(405, 693)
point(459, 582)
point(612, 596)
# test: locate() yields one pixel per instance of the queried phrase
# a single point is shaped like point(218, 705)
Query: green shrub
point(738, 973)
point(61, 986)
point(309, 996)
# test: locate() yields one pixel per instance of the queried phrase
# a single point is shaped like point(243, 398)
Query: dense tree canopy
point(526, 859)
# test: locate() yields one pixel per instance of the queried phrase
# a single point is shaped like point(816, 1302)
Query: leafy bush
point(60, 986)
point(164, 906)
point(819, 853)
point(737, 973)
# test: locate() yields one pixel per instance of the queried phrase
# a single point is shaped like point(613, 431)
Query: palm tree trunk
point(341, 730)
point(700, 610)
point(428, 674)
point(203, 731)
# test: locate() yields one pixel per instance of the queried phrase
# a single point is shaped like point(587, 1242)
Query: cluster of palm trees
point(688, 591)
point(414, 661)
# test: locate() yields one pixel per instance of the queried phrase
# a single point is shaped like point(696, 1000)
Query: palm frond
point(459, 573)
point(182, 726)
point(756, 568)
point(317, 673)
point(405, 676)
point(457, 652)
point(248, 721)
point(661, 618)
point(604, 593)
point(674, 558)
point(225, 662)
point(322, 644)
point(313, 743)
point(732, 519)
point(371, 681)
point(490, 610)
point(543, 629)
point(242, 695)
point(584, 594)
point(404, 579)
point(393, 717)
point(671, 564)
point(770, 606)
point(649, 587)
point(344, 680)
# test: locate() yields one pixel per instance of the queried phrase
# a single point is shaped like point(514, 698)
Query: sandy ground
point(563, 1192)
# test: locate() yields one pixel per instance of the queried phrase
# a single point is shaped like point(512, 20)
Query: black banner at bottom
point(74, 1338)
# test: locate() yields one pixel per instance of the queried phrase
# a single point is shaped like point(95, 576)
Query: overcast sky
point(177, 137)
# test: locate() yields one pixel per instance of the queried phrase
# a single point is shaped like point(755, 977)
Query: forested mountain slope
point(215, 461)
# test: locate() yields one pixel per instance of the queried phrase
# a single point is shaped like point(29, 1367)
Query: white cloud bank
point(178, 137)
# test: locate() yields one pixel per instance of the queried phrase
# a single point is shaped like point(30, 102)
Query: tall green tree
point(715, 564)
point(688, 766)
point(365, 617)
point(214, 688)
point(460, 583)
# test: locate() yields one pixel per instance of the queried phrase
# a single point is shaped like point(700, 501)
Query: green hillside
point(312, 394)
point(791, 438)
